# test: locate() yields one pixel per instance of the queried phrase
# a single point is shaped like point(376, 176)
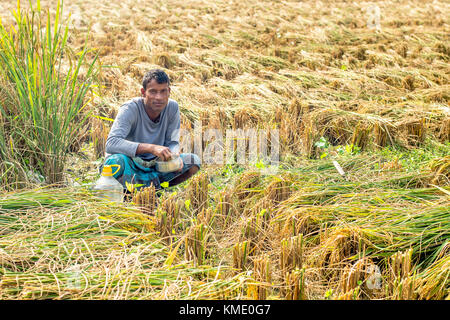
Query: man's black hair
point(159, 75)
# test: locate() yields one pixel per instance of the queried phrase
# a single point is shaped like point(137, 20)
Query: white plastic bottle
point(108, 187)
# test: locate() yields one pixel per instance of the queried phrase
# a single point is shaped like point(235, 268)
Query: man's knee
point(193, 170)
point(191, 159)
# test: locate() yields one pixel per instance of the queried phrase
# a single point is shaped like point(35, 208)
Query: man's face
point(156, 96)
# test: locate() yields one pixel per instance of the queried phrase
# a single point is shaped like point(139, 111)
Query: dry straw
point(262, 275)
point(196, 243)
point(146, 199)
point(168, 214)
point(297, 76)
point(198, 191)
point(294, 285)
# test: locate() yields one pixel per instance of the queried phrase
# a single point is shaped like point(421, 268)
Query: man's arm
point(171, 137)
point(116, 142)
point(159, 151)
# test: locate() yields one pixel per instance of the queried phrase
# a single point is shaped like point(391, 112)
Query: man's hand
point(161, 152)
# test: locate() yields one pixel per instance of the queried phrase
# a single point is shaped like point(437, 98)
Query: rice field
point(358, 207)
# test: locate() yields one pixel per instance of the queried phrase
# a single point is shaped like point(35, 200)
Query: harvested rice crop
point(356, 208)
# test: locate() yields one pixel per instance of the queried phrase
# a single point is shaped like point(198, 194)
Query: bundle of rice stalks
point(362, 275)
point(434, 282)
point(127, 283)
point(383, 133)
point(337, 248)
point(352, 294)
point(224, 66)
point(64, 244)
point(441, 171)
point(290, 138)
point(291, 255)
point(400, 264)
point(196, 243)
point(215, 119)
point(198, 191)
point(45, 197)
point(146, 199)
point(207, 120)
point(335, 125)
point(402, 277)
point(375, 232)
point(293, 287)
point(224, 118)
point(164, 59)
point(425, 231)
point(206, 217)
point(278, 190)
point(168, 214)
point(413, 131)
point(225, 207)
point(341, 127)
point(408, 82)
point(385, 230)
point(435, 94)
point(360, 136)
point(254, 229)
point(247, 118)
point(290, 125)
point(306, 221)
point(240, 256)
point(405, 187)
point(246, 186)
point(99, 134)
point(263, 278)
point(444, 132)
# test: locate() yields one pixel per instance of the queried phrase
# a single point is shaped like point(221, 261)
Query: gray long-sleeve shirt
point(133, 126)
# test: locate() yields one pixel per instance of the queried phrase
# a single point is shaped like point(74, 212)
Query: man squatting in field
point(147, 127)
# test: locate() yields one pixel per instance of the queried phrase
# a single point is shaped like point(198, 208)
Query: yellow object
point(107, 187)
point(107, 170)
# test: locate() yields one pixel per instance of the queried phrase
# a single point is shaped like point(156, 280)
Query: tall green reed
point(44, 89)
